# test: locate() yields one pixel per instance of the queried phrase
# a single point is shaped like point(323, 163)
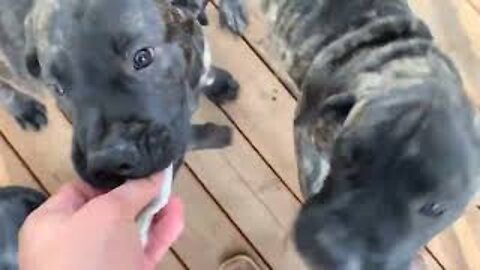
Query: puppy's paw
point(221, 135)
point(233, 14)
point(29, 113)
point(210, 136)
point(226, 91)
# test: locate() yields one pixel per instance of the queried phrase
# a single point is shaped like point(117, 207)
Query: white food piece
point(145, 218)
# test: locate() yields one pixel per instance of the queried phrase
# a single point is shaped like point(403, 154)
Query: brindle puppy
point(387, 142)
point(127, 73)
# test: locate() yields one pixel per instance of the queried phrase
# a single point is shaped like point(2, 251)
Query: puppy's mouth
point(110, 180)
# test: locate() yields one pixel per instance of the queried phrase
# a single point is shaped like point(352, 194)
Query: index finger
point(133, 196)
point(71, 197)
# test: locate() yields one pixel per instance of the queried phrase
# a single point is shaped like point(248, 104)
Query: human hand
point(79, 228)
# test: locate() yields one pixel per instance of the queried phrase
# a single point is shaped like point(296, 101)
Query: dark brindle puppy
point(387, 142)
point(128, 74)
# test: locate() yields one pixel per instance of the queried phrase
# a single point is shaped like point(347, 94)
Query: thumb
point(166, 228)
point(133, 196)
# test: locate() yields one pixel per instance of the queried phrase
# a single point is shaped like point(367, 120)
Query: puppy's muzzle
point(129, 156)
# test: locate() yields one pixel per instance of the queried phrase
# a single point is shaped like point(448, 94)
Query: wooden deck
point(243, 200)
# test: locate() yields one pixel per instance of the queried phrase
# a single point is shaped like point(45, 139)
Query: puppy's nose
point(121, 159)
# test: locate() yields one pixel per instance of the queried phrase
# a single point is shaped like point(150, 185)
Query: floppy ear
point(315, 128)
point(195, 7)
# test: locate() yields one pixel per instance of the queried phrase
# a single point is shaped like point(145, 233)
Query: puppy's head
point(125, 70)
point(403, 168)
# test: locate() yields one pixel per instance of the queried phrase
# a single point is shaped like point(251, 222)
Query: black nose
point(121, 159)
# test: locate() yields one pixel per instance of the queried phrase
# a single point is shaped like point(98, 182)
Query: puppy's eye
point(433, 210)
point(143, 58)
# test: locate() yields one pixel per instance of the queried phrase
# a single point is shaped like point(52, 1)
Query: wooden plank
point(209, 237)
point(264, 111)
point(430, 263)
point(12, 170)
point(459, 246)
point(170, 262)
point(203, 213)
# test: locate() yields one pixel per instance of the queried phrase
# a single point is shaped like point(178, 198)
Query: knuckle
point(110, 207)
point(29, 225)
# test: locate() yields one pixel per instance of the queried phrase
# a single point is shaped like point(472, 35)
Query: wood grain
point(264, 111)
point(12, 170)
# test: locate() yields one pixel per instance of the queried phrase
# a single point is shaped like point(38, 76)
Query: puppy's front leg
point(28, 112)
point(221, 86)
point(210, 136)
